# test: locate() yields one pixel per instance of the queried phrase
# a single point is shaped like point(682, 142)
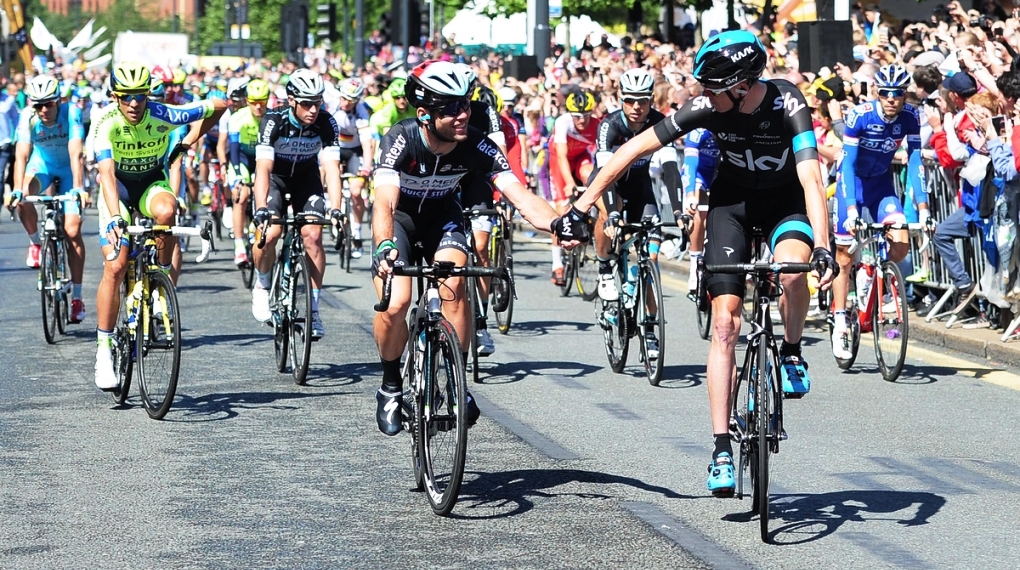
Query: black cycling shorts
point(351, 157)
point(436, 226)
point(306, 194)
point(730, 229)
point(638, 203)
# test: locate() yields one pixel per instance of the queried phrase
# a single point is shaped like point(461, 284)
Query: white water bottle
point(863, 283)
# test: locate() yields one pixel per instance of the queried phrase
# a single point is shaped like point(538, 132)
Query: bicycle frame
point(876, 241)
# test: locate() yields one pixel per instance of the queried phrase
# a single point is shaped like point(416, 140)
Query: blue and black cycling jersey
point(701, 157)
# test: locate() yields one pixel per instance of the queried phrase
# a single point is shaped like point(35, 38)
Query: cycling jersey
point(407, 162)
point(613, 132)
point(701, 156)
point(579, 143)
point(49, 143)
point(212, 138)
point(294, 147)
point(755, 149)
point(383, 119)
point(353, 125)
point(486, 119)
point(242, 138)
point(869, 143)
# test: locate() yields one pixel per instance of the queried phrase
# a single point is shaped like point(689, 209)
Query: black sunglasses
point(46, 105)
point(455, 108)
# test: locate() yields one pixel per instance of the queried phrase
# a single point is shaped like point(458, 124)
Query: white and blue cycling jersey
point(865, 179)
point(50, 159)
point(701, 156)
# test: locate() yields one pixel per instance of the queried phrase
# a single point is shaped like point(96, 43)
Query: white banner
point(150, 48)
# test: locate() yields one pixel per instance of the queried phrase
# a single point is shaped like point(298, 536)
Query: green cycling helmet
point(396, 88)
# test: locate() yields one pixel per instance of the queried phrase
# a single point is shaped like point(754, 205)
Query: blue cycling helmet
point(729, 58)
point(892, 77)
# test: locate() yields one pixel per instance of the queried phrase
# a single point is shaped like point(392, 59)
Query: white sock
point(264, 279)
point(315, 300)
point(839, 321)
point(556, 259)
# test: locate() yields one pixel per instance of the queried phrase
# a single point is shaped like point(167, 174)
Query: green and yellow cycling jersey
point(243, 130)
point(139, 151)
point(389, 115)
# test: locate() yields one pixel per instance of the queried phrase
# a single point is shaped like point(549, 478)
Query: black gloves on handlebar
point(612, 220)
point(261, 216)
point(821, 259)
point(382, 252)
point(573, 226)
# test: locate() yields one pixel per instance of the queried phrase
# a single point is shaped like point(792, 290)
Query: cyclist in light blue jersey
point(50, 139)
point(875, 130)
point(701, 156)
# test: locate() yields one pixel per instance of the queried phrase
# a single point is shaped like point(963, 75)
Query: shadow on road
point(812, 517)
point(225, 406)
point(541, 328)
point(334, 375)
point(245, 339)
point(913, 374)
point(203, 288)
point(510, 493)
point(677, 376)
point(509, 372)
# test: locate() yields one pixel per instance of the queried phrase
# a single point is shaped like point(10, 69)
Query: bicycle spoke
point(158, 345)
point(889, 321)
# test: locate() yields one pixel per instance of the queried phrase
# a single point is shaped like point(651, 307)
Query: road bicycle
point(580, 266)
point(757, 419)
point(290, 295)
point(639, 306)
point(877, 302)
point(342, 233)
point(435, 377)
point(148, 330)
point(501, 241)
point(54, 270)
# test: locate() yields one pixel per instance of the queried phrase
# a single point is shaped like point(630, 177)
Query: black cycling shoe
point(387, 412)
point(473, 413)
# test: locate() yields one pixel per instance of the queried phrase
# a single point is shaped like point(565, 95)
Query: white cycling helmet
point(42, 89)
point(305, 85)
point(637, 82)
point(436, 83)
point(352, 89)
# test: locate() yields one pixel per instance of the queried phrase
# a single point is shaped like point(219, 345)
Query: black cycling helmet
point(729, 58)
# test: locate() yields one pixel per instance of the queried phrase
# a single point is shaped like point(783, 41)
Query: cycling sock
point(391, 380)
point(76, 291)
point(264, 279)
point(165, 268)
point(557, 260)
point(695, 255)
point(605, 266)
point(790, 348)
point(485, 308)
point(355, 229)
point(103, 338)
point(722, 445)
point(839, 321)
point(238, 244)
point(315, 300)
point(33, 238)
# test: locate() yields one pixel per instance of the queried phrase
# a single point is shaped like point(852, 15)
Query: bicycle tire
point(158, 397)
point(501, 291)
point(300, 317)
point(765, 390)
point(63, 275)
point(348, 249)
point(702, 304)
point(587, 274)
point(122, 349)
point(569, 259)
point(617, 337)
point(49, 290)
point(891, 341)
point(278, 304)
point(649, 275)
point(412, 400)
point(442, 483)
point(248, 273)
point(853, 328)
point(472, 292)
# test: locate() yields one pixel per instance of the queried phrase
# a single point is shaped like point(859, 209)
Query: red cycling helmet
point(163, 73)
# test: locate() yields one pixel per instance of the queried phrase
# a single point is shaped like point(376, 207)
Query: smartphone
point(999, 123)
point(865, 92)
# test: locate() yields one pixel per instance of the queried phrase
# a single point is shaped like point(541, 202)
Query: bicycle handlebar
point(882, 228)
point(205, 232)
point(437, 271)
point(474, 212)
point(297, 221)
point(760, 267)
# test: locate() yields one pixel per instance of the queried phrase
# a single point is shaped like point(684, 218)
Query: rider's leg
point(107, 302)
point(29, 217)
point(358, 207)
point(240, 216)
point(316, 255)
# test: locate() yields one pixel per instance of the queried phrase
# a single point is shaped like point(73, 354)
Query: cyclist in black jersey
point(768, 178)
point(422, 162)
point(287, 160)
point(632, 194)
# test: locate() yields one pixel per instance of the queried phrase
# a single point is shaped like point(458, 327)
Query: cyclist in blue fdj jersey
point(50, 140)
point(701, 157)
point(768, 178)
point(874, 132)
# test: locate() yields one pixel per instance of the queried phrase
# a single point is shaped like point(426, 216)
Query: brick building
point(185, 9)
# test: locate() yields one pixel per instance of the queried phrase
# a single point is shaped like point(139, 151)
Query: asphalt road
point(571, 466)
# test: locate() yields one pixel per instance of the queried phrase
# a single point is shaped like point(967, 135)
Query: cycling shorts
point(38, 168)
point(730, 229)
point(558, 183)
point(351, 157)
point(143, 205)
point(306, 194)
point(476, 193)
point(875, 195)
point(436, 227)
point(638, 203)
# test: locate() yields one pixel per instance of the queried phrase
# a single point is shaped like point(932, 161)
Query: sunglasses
point(580, 116)
point(891, 93)
point(635, 101)
point(453, 109)
point(310, 104)
point(132, 98)
point(46, 105)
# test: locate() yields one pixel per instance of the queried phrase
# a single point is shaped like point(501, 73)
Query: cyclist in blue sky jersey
point(769, 178)
point(875, 130)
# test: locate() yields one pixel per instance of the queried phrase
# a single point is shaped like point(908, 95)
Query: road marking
point(968, 368)
point(698, 546)
point(523, 431)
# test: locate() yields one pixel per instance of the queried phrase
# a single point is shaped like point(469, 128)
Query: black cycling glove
point(821, 259)
point(573, 226)
point(261, 216)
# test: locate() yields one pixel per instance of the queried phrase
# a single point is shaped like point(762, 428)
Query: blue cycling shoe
point(720, 476)
point(796, 382)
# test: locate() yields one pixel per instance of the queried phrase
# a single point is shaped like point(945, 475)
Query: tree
point(122, 16)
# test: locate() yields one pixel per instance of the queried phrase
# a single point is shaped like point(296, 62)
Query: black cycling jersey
point(755, 149)
point(405, 161)
point(486, 119)
point(636, 183)
point(293, 147)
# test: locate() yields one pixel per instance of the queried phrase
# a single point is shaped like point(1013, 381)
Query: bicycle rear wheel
point(587, 272)
point(279, 304)
point(300, 317)
point(569, 270)
point(764, 404)
point(617, 337)
point(889, 321)
point(702, 304)
point(471, 290)
point(50, 290)
point(442, 419)
point(348, 247)
point(648, 323)
point(502, 296)
point(158, 341)
point(853, 329)
point(123, 347)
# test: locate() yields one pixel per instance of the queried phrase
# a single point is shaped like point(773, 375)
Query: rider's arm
point(22, 152)
point(847, 187)
point(532, 207)
point(108, 184)
point(221, 147)
point(805, 151)
point(692, 156)
point(495, 128)
point(915, 170)
point(329, 158)
point(362, 119)
point(265, 155)
point(603, 153)
point(75, 144)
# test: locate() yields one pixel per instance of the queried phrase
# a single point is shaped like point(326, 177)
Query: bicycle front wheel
point(569, 270)
point(613, 319)
point(889, 321)
point(441, 420)
point(300, 317)
point(471, 290)
point(279, 304)
point(50, 290)
point(765, 417)
point(123, 350)
point(158, 342)
point(652, 322)
point(587, 272)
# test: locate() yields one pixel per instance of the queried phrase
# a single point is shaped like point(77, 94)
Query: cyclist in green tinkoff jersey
point(394, 111)
point(131, 148)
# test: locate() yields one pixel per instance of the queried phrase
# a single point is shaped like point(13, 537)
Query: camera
point(983, 22)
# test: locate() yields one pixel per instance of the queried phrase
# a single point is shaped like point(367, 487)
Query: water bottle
point(133, 300)
point(630, 286)
point(863, 283)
